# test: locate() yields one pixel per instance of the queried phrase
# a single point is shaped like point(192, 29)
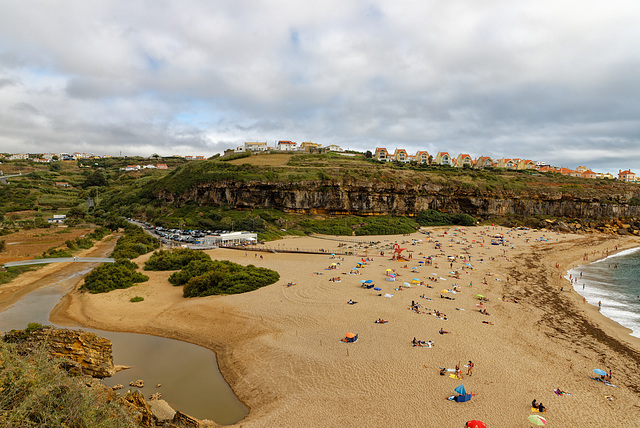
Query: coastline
point(277, 347)
point(577, 268)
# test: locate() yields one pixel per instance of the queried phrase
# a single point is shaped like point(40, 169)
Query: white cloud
point(548, 80)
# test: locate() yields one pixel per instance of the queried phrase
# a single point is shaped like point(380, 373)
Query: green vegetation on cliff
point(36, 392)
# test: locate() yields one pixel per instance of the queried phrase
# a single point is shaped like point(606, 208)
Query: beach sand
point(279, 347)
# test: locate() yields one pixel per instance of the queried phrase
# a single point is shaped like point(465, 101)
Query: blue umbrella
point(368, 281)
point(600, 372)
point(460, 390)
point(377, 288)
point(362, 281)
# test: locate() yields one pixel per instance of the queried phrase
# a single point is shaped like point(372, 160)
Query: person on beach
point(470, 369)
point(534, 404)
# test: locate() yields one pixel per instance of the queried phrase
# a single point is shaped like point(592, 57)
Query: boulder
point(162, 410)
point(182, 420)
point(139, 409)
point(138, 383)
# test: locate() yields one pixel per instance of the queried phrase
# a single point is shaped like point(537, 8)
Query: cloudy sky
point(557, 81)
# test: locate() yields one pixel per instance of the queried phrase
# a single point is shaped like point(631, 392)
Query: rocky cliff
point(379, 198)
point(87, 353)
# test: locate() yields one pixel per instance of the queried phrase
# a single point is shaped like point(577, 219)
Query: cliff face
point(87, 353)
point(401, 199)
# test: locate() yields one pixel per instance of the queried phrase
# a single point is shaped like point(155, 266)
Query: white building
point(232, 238)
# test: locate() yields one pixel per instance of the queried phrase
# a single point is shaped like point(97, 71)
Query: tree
point(3, 245)
point(368, 154)
point(96, 178)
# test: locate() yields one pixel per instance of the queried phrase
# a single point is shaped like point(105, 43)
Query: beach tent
point(350, 338)
point(463, 394)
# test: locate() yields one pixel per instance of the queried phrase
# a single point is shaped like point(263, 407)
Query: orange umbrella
point(350, 335)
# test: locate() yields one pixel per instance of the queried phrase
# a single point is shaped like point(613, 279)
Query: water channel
point(189, 375)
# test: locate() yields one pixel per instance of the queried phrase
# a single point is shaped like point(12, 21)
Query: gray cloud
point(499, 78)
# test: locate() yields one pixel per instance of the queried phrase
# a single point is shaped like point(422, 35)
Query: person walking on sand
point(470, 369)
point(599, 304)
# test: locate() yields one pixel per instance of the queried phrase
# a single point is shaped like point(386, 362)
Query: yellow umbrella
point(444, 291)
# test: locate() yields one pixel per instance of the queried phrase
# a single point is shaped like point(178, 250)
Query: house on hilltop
point(422, 157)
point(382, 154)
point(626, 176)
point(308, 146)
point(443, 158)
point(400, 155)
point(258, 146)
point(484, 162)
point(524, 164)
point(286, 145)
point(464, 159)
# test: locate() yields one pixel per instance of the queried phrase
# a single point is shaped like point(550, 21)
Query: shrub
point(229, 278)
point(3, 245)
point(174, 259)
point(112, 276)
point(386, 226)
point(35, 391)
point(193, 269)
point(436, 218)
point(134, 243)
point(136, 299)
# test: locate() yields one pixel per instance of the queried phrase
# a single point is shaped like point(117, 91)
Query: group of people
point(539, 406)
point(416, 342)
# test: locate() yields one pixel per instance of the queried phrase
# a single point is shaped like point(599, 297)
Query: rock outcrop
point(393, 198)
point(86, 353)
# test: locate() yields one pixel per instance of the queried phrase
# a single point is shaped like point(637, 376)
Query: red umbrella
point(475, 424)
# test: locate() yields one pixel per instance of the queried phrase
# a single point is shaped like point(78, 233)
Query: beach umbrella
point(362, 281)
point(350, 335)
point(475, 424)
point(600, 372)
point(481, 306)
point(407, 284)
point(479, 295)
point(537, 420)
point(388, 270)
point(460, 390)
point(368, 281)
point(444, 291)
point(377, 288)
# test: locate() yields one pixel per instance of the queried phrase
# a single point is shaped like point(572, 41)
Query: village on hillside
point(381, 154)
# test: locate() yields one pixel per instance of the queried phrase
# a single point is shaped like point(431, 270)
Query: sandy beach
point(279, 347)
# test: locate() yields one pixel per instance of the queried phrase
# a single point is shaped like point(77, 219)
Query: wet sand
point(279, 347)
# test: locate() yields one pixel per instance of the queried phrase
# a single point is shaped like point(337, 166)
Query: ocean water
point(614, 281)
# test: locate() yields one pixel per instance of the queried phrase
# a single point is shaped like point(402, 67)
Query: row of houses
point(140, 167)
point(444, 158)
point(286, 146)
point(48, 157)
point(463, 159)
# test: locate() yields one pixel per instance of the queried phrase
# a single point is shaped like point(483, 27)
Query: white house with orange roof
point(286, 145)
point(400, 155)
point(443, 158)
point(464, 159)
point(587, 173)
point(484, 162)
point(382, 154)
point(626, 176)
point(422, 156)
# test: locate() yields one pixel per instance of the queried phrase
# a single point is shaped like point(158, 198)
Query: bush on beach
point(174, 259)
point(112, 276)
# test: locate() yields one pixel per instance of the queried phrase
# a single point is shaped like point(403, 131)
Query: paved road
point(61, 260)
